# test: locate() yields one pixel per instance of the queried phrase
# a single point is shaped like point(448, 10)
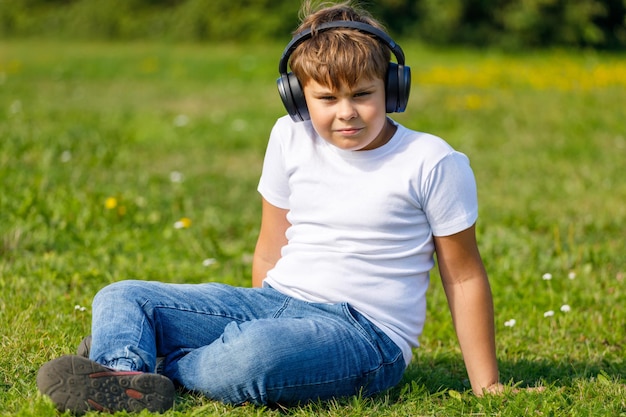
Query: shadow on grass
point(441, 373)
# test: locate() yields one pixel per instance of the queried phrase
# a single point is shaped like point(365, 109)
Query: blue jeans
point(241, 345)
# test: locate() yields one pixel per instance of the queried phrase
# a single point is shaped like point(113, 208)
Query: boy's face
point(352, 117)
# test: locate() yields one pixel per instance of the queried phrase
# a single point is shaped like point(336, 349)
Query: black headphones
point(397, 84)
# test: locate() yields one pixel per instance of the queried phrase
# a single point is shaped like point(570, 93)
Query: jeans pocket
point(390, 352)
point(390, 365)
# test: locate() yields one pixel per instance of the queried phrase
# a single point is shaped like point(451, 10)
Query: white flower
point(239, 125)
point(509, 323)
point(66, 156)
point(140, 201)
point(548, 313)
point(79, 308)
point(176, 176)
point(16, 107)
point(181, 120)
point(183, 223)
point(571, 275)
point(209, 261)
point(547, 276)
point(565, 308)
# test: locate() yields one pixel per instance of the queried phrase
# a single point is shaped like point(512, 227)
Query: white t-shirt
point(362, 222)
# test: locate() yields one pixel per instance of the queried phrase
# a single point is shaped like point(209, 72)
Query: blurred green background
point(501, 23)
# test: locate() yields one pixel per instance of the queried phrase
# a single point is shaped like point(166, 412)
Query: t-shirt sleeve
point(451, 203)
point(274, 184)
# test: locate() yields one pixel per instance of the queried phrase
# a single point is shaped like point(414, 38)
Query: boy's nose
point(346, 110)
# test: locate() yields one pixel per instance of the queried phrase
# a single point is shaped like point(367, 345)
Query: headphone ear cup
point(404, 87)
point(397, 88)
point(297, 93)
point(391, 88)
point(291, 94)
point(285, 94)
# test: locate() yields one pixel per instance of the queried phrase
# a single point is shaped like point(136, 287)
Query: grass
point(105, 147)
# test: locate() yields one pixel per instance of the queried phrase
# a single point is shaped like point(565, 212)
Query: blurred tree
point(503, 23)
point(396, 15)
point(234, 19)
point(545, 22)
point(613, 23)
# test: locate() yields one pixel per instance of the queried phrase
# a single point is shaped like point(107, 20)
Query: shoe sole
point(77, 384)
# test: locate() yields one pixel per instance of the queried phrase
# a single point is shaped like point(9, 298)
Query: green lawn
point(107, 149)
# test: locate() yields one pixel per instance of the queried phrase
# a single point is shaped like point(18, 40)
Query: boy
point(354, 207)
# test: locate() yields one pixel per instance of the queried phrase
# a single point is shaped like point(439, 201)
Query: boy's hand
point(498, 389)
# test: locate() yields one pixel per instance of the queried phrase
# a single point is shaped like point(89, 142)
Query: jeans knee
point(238, 343)
point(239, 366)
point(118, 293)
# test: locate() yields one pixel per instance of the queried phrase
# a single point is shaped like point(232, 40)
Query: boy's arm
point(469, 296)
point(271, 239)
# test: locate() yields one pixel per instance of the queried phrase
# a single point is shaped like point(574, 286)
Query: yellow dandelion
point(14, 67)
point(149, 65)
point(183, 223)
point(110, 203)
point(474, 102)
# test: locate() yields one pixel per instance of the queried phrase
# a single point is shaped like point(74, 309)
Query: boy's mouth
point(348, 131)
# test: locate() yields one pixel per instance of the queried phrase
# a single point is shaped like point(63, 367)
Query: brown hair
point(339, 56)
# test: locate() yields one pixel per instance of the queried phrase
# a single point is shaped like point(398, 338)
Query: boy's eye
point(330, 97)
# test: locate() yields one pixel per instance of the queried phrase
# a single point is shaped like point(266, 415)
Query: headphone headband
point(350, 24)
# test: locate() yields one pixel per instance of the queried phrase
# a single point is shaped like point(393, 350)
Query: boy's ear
point(292, 95)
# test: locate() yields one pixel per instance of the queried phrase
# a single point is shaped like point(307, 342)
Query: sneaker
point(79, 385)
point(84, 347)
